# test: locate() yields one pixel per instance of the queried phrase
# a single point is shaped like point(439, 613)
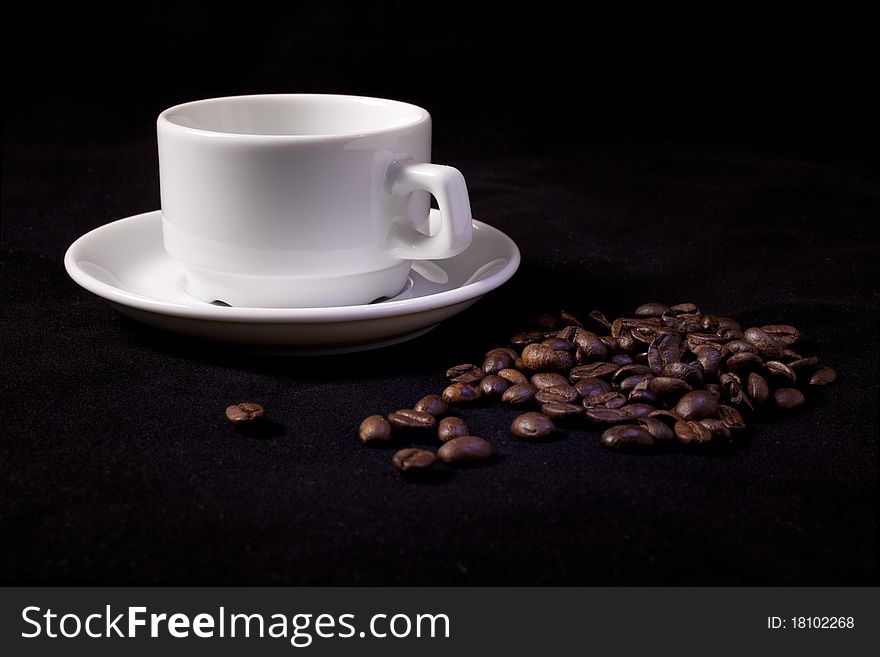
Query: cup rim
point(164, 119)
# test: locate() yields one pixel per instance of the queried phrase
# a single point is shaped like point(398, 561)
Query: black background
point(726, 158)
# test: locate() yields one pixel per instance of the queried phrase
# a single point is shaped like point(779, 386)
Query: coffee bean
point(713, 389)
point(789, 355)
point(728, 323)
point(497, 360)
point(685, 309)
point(691, 373)
point(244, 413)
point(696, 405)
point(732, 390)
point(567, 319)
point(667, 417)
point(781, 372)
point(493, 385)
point(526, 338)
point(558, 344)
point(518, 394)
point(669, 387)
point(567, 333)
point(743, 362)
point(709, 322)
point(634, 411)
point(411, 459)
point(765, 343)
point(664, 350)
point(740, 346)
point(782, 333)
point(659, 430)
point(597, 370)
point(599, 320)
point(540, 358)
point(465, 449)
point(374, 429)
point(626, 341)
point(561, 412)
point(627, 436)
point(643, 397)
point(601, 415)
point(513, 376)
point(629, 383)
point(718, 428)
point(461, 393)
point(609, 399)
point(590, 346)
point(692, 433)
point(591, 386)
point(788, 398)
point(407, 419)
point(451, 427)
point(548, 379)
point(757, 389)
point(622, 359)
point(466, 373)
point(804, 364)
point(562, 394)
point(651, 310)
point(823, 376)
point(729, 334)
point(709, 357)
point(532, 425)
point(731, 417)
point(432, 404)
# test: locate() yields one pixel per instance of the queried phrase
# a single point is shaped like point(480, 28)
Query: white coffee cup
point(304, 200)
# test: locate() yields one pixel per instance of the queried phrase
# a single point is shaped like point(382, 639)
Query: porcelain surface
point(124, 263)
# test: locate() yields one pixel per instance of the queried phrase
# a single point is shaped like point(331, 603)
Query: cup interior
point(294, 115)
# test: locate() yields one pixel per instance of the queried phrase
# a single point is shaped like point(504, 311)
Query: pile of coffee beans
point(669, 376)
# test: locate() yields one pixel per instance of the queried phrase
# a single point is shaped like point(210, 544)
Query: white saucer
point(125, 263)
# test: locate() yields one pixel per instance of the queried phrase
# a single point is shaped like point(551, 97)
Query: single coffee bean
point(643, 397)
point(743, 362)
point(685, 309)
point(244, 413)
point(718, 428)
point(497, 360)
point(634, 411)
point(466, 373)
point(532, 425)
point(709, 357)
point(691, 373)
point(548, 379)
point(695, 340)
point(651, 310)
point(627, 371)
point(804, 364)
point(789, 355)
point(567, 333)
point(558, 344)
point(788, 398)
point(504, 350)
point(561, 412)
point(432, 404)
point(731, 417)
point(609, 399)
point(728, 323)
point(540, 358)
point(692, 433)
point(407, 419)
point(664, 350)
point(597, 370)
point(465, 449)
point(451, 427)
point(766, 344)
point(781, 372)
point(590, 346)
point(626, 342)
point(782, 333)
point(513, 376)
point(411, 459)
point(526, 338)
point(732, 390)
point(627, 436)
point(601, 415)
point(461, 393)
point(709, 322)
point(659, 430)
point(610, 343)
point(823, 376)
point(518, 394)
point(374, 429)
point(740, 346)
point(757, 389)
point(669, 387)
point(696, 405)
point(591, 386)
point(562, 394)
point(729, 334)
point(493, 386)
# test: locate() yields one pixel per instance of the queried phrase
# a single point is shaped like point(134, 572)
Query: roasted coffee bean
point(685, 309)
point(627, 436)
point(732, 390)
point(731, 417)
point(695, 340)
point(601, 415)
point(558, 344)
point(591, 386)
point(643, 397)
point(375, 429)
point(519, 393)
point(526, 338)
point(692, 433)
point(540, 358)
point(728, 323)
point(562, 394)
point(493, 385)
point(629, 383)
point(432, 404)
point(566, 360)
point(411, 459)
point(757, 389)
point(766, 344)
point(567, 333)
point(606, 399)
point(629, 370)
point(713, 389)
point(664, 350)
point(783, 333)
point(634, 411)
point(406, 419)
point(651, 310)
point(497, 360)
point(804, 364)
point(622, 359)
point(709, 357)
point(823, 376)
point(599, 320)
point(465, 449)
point(743, 362)
point(561, 412)
point(610, 343)
point(788, 398)
point(729, 334)
point(513, 376)
point(667, 417)
point(451, 427)
point(543, 380)
point(532, 425)
point(567, 319)
point(788, 356)
point(590, 346)
point(709, 322)
point(466, 373)
point(659, 430)
point(669, 387)
point(740, 346)
point(691, 373)
point(696, 405)
point(716, 427)
point(626, 341)
point(781, 372)
point(597, 370)
point(244, 413)
point(461, 393)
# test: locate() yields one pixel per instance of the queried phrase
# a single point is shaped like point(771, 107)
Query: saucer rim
point(272, 315)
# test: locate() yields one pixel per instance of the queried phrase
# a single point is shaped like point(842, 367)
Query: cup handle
point(456, 226)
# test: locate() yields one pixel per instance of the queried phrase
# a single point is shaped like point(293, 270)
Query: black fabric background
point(725, 159)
